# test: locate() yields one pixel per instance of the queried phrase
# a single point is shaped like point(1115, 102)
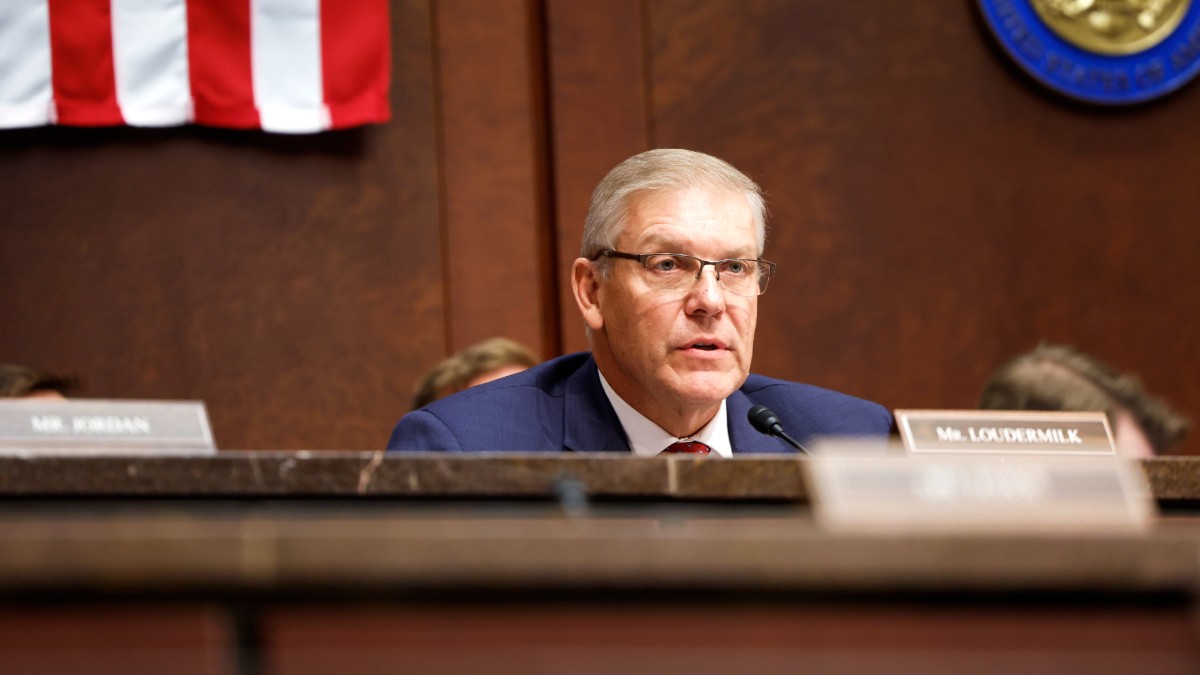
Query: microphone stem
point(791, 441)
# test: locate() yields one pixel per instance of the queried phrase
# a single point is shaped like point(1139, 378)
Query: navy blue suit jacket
point(560, 405)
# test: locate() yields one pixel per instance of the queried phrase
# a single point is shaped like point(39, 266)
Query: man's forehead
point(695, 216)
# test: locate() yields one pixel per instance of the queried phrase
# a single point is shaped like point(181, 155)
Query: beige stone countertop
point(451, 475)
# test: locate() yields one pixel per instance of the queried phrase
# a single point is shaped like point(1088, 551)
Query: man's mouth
point(705, 345)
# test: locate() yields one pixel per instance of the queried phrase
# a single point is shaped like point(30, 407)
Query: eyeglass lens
point(677, 271)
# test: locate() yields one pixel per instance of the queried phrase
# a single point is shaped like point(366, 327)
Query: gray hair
point(659, 171)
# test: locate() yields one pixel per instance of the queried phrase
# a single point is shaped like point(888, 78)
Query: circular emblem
point(1112, 26)
point(1101, 51)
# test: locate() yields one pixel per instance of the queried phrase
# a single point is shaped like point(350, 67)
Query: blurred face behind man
point(673, 355)
point(491, 375)
point(1130, 440)
point(45, 395)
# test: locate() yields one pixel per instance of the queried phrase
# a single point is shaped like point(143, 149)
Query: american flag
point(291, 66)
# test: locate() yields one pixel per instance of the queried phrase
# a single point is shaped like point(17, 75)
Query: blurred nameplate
point(97, 427)
point(975, 494)
point(1005, 432)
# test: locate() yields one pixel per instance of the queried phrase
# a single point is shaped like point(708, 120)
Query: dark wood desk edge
point(268, 549)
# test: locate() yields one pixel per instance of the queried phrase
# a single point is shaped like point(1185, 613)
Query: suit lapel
point(742, 436)
point(589, 422)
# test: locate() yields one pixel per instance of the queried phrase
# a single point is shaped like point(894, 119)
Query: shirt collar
point(647, 439)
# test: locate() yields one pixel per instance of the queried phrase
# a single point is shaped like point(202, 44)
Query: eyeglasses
point(678, 272)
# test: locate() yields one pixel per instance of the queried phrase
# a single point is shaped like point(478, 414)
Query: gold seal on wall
point(1112, 26)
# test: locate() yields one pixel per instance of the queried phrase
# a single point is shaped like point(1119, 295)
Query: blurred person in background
point(485, 361)
point(1058, 377)
point(23, 382)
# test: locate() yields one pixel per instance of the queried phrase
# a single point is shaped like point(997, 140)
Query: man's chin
point(707, 388)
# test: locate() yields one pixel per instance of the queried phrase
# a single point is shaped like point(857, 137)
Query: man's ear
point(586, 284)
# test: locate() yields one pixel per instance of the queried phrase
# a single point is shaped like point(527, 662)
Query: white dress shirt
point(647, 439)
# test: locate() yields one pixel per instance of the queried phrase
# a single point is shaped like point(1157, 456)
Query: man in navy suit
point(668, 282)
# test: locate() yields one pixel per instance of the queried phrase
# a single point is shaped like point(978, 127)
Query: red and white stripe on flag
point(291, 66)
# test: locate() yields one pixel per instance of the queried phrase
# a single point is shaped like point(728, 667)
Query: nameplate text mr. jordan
point(96, 426)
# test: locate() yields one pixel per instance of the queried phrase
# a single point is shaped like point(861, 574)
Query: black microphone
point(765, 421)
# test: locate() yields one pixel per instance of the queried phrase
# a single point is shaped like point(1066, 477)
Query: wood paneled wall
point(293, 283)
point(933, 213)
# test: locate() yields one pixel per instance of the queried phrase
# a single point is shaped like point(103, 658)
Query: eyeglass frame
point(641, 258)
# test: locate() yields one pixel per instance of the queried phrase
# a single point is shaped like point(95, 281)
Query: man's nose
point(706, 294)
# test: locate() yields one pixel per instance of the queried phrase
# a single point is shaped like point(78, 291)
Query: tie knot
point(687, 448)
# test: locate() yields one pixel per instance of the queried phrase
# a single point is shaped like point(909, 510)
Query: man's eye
point(735, 267)
point(664, 264)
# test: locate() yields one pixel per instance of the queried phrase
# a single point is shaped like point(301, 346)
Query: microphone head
point(762, 419)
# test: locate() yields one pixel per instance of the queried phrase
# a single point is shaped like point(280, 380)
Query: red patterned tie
point(687, 448)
